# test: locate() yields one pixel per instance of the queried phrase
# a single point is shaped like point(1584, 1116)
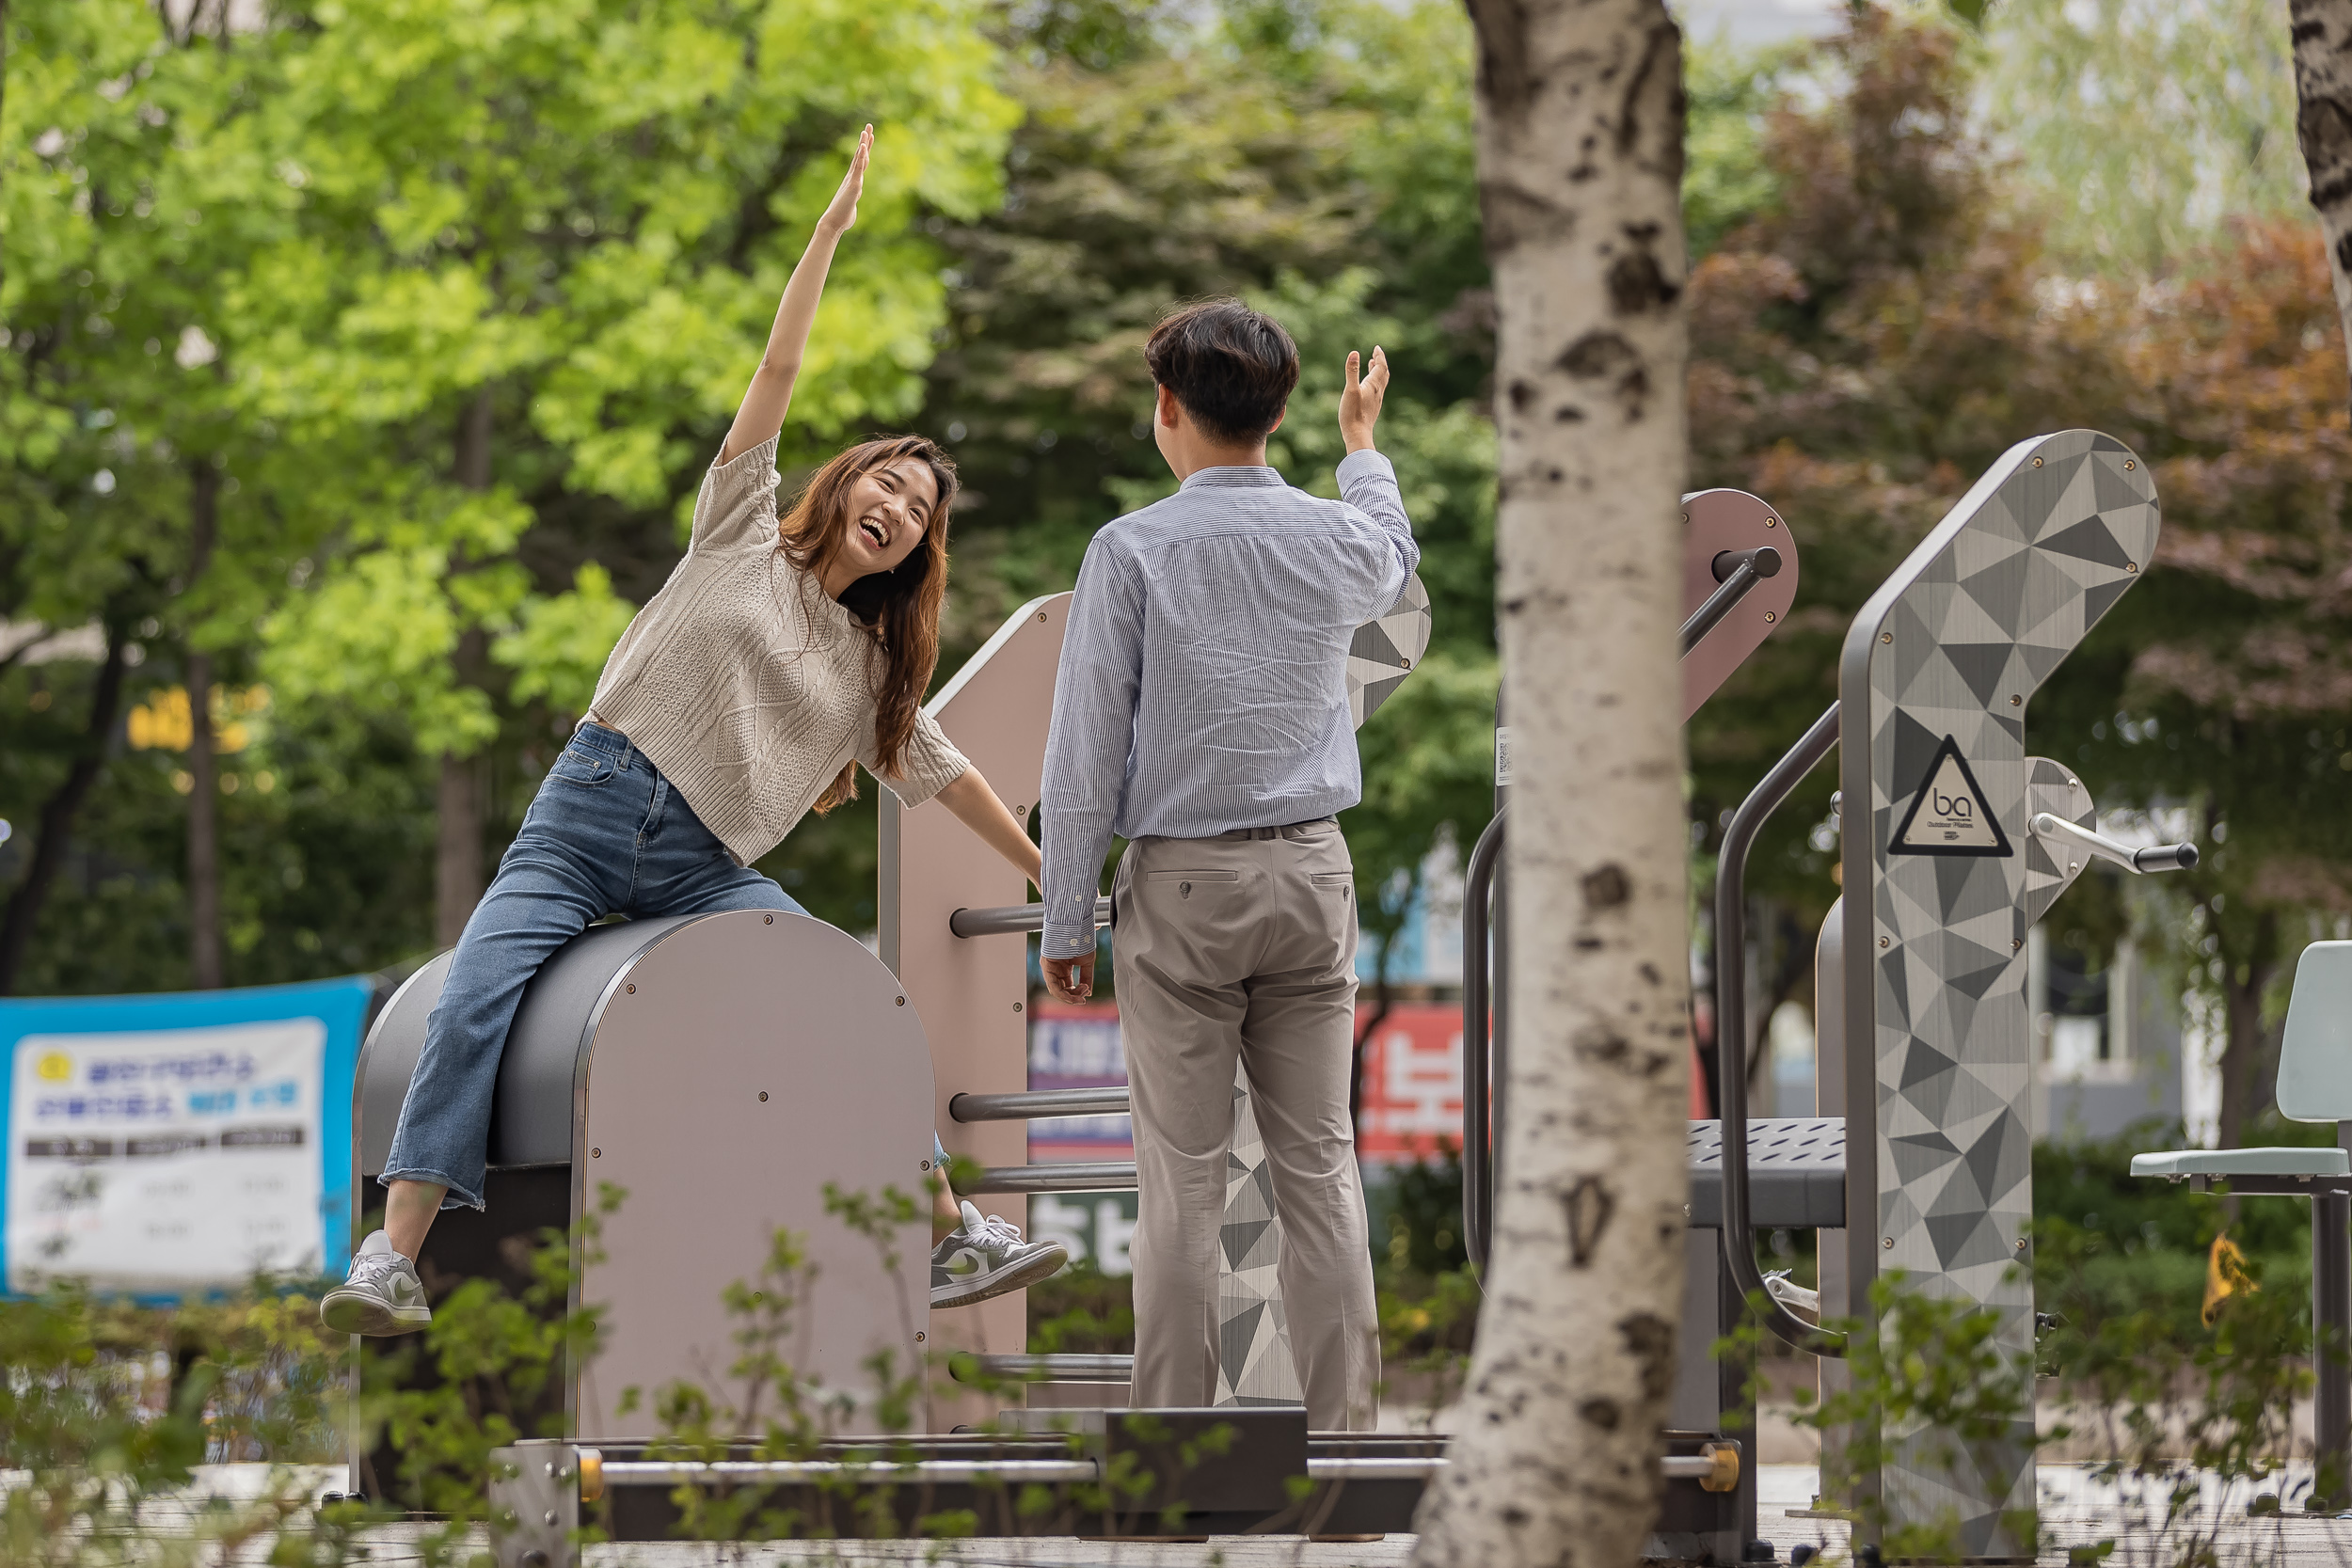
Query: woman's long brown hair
point(901, 606)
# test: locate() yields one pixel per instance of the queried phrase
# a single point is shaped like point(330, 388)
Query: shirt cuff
point(1366, 464)
point(1063, 943)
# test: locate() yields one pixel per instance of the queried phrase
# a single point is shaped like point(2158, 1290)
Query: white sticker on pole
point(165, 1159)
point(1502, 754)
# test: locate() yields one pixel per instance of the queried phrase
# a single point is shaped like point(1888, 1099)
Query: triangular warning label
point(1950, 816)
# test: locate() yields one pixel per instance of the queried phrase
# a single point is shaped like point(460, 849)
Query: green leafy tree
point(532, 254)
point(1164, 157)
point(1891, 321)
point(2143, 130)
point(2227, 692)
point(143, 503)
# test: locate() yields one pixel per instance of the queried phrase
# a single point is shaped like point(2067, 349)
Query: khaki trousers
point(1244, 946)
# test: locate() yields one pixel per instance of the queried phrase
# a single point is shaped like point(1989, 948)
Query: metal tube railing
point(1108, 1100)
point(1062, 1368)
point(1009, 919)
point(1731, 1034)
point(1372, 1467)
point(1105, 1177)
point(803, 1472)
point(806, 1472)
point(1477, 1153)
point(1738, 571)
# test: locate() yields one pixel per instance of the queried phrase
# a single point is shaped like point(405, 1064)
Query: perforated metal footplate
point(1796, 1173)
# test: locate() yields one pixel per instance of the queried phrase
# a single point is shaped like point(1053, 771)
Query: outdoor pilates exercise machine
point(721, 1069)
point(1954, 842)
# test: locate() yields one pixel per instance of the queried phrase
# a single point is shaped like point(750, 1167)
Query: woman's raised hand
point(769, 398)
point(843, 212)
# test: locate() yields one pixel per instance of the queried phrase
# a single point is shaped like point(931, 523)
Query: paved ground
point(2078, 1511)
point(2081, 1510)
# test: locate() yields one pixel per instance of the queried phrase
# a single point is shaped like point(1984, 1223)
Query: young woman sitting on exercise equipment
point(780, 655)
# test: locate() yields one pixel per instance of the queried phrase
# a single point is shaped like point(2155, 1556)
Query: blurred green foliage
point(429, 315)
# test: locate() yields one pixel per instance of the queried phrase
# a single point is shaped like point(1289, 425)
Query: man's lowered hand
point(1071, 979)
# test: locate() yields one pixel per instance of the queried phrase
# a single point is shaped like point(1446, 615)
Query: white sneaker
point(382, 1295)
point(987, 1257)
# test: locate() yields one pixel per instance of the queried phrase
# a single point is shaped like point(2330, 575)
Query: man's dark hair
point(1233, 367)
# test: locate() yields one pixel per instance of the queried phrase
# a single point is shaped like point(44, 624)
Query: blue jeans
point(606, 835)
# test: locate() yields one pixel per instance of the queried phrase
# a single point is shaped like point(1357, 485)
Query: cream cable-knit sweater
point(746, 684)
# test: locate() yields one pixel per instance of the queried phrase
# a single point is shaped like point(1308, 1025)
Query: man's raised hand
point(1360, 402)
point(843, 212)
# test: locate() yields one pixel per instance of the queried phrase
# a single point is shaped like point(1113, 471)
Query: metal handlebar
point(1478, 882)
point(1008, 919)
point(1043, 1368)
point(1738, 571)
point(1731, 941)
point(2158, 857)
point(1109, 1100)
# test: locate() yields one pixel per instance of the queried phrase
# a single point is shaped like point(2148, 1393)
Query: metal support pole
point(2331, 1349)
point(1499, 990)
point(1735, 1386)
point(1478, 1191)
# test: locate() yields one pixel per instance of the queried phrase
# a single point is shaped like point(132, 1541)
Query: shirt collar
point(1252, 473)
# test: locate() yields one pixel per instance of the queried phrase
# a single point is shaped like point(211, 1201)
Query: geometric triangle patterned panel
point(1386, 650)
point(1253, 1362)
point(1253, 1336)
point(1943, 661)
point(2050, 867)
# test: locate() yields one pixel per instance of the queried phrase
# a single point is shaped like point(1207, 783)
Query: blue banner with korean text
point(181, 1143)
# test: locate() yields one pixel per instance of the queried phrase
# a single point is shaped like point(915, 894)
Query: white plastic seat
point(2314, 1078)
point(2243, 1162)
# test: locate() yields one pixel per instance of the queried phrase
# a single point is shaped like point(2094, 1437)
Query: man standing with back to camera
point(1200, 712)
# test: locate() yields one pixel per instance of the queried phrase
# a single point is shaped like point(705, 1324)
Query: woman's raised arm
point(769, 394)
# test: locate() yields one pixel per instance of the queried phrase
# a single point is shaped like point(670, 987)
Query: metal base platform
point(1127, 1474)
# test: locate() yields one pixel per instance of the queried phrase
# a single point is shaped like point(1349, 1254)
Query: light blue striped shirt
point(1203, 682)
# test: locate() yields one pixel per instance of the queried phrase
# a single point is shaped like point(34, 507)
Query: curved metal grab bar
point(1478, 1215)
point(1731, 1033)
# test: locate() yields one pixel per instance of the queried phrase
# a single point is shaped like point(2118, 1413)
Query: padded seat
point(2243, 1162)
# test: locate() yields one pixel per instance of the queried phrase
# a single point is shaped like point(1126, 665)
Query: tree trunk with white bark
point(1579, 150)
point(2322, 31)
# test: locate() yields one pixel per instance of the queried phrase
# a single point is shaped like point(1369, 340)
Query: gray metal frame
point(1265, 1473)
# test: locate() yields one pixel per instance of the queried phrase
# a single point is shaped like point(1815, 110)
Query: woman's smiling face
point(890, 505)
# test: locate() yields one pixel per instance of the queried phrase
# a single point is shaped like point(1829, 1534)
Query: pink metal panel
point(708, 1054)
point(972, 993)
